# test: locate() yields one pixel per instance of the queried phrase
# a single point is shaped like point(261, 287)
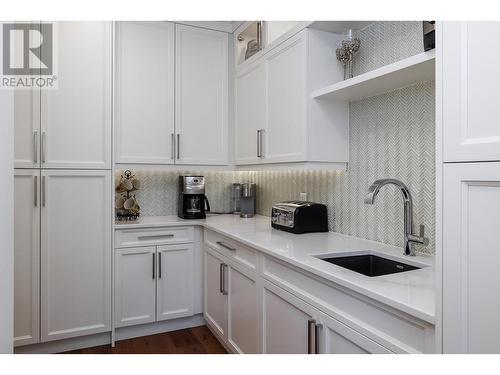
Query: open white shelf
point(414, 69)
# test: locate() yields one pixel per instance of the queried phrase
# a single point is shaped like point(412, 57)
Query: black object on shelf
point(429, 28)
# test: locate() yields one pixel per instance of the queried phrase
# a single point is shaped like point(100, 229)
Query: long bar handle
point(220, 243)
point(224, 282)
point(172, 141)
point(43, 141)
point(43, 191)
point(159, 265)
point(258, 143)
point(35, 147)
point(36, 191)
point(154, 265)
point(221, 278)
point(311, 336)
point(178, 146)
point(261, 143)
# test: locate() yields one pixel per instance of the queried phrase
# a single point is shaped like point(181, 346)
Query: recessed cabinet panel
point(75, 253)
point(135, 282)
point(76, 117)
point(26, 257)
point(471, 91)
point(144, 104)
point(201, 98)
point(175, 275)
point(27, 128)
point(470, 271)
point(215, 297)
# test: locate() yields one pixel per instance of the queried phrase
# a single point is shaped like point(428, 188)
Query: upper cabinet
point(277, 120)
point(470, 91)
point(144, 104)
point(70, 126)
point(201, 96)
point(159, 64)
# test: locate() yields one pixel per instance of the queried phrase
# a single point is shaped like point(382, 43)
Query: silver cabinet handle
point(154, 237)
point(43, 146)
point(36, 190)
point(261, 143)
point(178, 146)
point(258, 143)
point(35, 147)
point(154, 265)
point(221, 278)
point(220, 243)
point(311, 336)
point(224, 283)
point(172, 141)
point(159, 265)
point(43, 191)
point(317, 327)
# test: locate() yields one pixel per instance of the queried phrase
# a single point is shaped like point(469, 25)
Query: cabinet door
point(337, 338)
point(471, 91)
point(26, 256)
point(27, 128)
point(76, 117)
point(75, 253)
point(175, 287)
point(250, 112)
point(215, 293)
point(201, 100)
point(135, 281)
point(471, 214)
point(286, 136)
point(244, 311)
point(144, 91)
point(287, 321)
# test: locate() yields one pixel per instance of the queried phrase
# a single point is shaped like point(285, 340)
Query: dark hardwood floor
point(197, 340)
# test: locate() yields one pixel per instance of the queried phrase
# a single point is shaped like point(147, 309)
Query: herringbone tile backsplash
point(391, 135)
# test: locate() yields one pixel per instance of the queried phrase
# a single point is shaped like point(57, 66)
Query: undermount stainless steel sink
point(369, 263)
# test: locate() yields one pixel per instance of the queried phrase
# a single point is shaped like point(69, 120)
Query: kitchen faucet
point(410, 238)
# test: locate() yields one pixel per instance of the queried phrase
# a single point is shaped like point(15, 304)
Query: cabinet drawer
point(232, 249)
point(153, 236)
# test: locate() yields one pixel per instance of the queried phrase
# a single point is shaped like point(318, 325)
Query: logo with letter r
point(27, 49)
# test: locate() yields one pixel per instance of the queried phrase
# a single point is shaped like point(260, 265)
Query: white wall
point(6, 222)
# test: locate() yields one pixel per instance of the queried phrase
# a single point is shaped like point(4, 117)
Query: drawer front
point(153, 236)
point(232, 249)
point(394, 330)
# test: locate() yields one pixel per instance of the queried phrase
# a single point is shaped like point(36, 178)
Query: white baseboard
point(105, 338)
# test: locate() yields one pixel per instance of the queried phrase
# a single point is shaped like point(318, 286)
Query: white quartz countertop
point(412, 292)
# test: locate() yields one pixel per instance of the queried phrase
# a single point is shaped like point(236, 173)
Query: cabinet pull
point(154, 265)
point(261, 143)
point(159, 265)
point(35, 147)
point(43, 191)
point(258, 143)
point(317, 327)
point(178, 146)
point(155, 237)
point(220, 243)
point(221, 277)
point(36, 190)
point(311, 336)
point(43, 146)
point(224, 283)
point(172, 142)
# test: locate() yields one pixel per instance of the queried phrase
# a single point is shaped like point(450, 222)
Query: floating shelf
point(414, 69)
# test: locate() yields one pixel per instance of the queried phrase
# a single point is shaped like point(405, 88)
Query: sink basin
point(369, 264)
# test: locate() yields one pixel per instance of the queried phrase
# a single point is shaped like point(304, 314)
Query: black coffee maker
point(193, 204)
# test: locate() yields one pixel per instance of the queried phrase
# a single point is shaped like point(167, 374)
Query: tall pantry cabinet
point(470, 92)
point(63, 190)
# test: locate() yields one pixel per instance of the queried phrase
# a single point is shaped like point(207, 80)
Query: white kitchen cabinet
point(27, 128)
point(175, 281)
point(144, 90)
point(470, 91)
point(250, 112)
point(26, 256)
point(135, 285)
point(201, 96)
point(471, 213)
point(293, 326)
point(277, 121)
point(75, 253)
point(216, 293)
point(244, 307)
point(76, 117)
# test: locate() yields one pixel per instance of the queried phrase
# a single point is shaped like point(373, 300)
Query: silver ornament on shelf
point(346, 53)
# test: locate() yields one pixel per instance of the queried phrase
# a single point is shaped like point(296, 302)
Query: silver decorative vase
point(346, 53)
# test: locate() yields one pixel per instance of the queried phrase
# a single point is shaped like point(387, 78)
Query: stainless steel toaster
point(299, 217)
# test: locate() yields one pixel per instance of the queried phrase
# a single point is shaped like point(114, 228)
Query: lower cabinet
point(232, 303)
point(292, 326)
point(153, 283)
